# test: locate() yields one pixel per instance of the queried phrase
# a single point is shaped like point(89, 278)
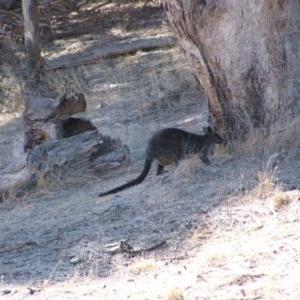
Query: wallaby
point(169, 146)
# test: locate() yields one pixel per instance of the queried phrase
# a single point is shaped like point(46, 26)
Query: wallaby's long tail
point(146, 169)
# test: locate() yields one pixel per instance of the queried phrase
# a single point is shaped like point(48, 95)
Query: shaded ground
point(224, 240)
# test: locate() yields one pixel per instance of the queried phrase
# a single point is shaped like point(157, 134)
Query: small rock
point(5, 292)
point(75, 260)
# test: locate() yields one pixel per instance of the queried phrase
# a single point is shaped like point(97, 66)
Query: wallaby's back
point(169, 146)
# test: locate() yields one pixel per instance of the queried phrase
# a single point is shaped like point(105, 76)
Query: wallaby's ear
point(209, 130)
point(204, 129)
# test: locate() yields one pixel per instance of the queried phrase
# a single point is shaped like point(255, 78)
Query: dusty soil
point(231, 228)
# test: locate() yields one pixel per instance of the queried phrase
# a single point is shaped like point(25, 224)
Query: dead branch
point(124, 247)
point(123, 48)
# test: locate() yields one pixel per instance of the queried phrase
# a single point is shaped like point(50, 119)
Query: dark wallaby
point(169, 146)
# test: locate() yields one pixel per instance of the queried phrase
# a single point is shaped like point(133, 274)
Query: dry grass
point(175, 294)
point(143, 266)
point(268, 188)
point(12, 85)
point(283, 137)
point(11, 88)
point(55, 83)
point(187, 169)
point(243, 250)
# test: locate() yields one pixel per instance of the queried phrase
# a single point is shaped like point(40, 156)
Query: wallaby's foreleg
point(204, 157)
point(206, 161)
point(160, 169)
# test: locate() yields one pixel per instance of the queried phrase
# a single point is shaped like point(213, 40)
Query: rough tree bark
point(32, 38)
point(246, 56)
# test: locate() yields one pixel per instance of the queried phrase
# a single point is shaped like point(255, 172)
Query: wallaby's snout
point(216, 138)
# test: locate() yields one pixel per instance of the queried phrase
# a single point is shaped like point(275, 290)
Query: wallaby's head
point(216, 138)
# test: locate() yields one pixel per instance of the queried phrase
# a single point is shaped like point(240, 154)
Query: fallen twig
point(123, 246)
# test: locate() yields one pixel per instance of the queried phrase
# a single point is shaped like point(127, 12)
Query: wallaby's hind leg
point(160, 169)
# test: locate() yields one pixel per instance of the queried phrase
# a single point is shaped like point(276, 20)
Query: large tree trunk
point(245, 54)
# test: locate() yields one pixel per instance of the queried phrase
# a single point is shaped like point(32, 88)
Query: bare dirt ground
point(231, 228)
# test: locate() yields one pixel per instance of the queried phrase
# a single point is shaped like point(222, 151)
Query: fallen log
point(48, 119)
point(55, 142)
point(87, 152)
point(113, 50)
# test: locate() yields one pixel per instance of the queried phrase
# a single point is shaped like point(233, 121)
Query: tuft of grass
point(268, 187)
point(282, 137)
point(280, 199)
point(175, 294)
point(143, 266)
point(266, 183)
point(55, 83)
point(187, 169)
